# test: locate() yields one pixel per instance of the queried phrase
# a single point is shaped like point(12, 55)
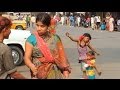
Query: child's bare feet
point(85, 77)
point(99, 73)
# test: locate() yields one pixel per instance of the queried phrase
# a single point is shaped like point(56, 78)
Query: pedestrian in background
point(28, 21)
point(102, 25)
point(118, 24)
point(33, 19)
point(111, 24)
point(107, 22)
point(93, 22)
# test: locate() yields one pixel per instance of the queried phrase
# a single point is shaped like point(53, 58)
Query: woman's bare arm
point(27, 58)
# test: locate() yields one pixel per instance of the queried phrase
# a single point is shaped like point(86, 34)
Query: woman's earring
point(48, 30)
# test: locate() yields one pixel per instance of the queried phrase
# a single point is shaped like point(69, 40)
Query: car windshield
point(17, 17)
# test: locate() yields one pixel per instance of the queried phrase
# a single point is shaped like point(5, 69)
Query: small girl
point(82, 44)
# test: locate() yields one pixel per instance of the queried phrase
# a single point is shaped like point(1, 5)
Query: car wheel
point(17, 55)
point(19, 28)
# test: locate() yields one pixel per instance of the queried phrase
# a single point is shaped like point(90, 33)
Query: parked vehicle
point(19, 24)
point(16, 24)
point(16, 41)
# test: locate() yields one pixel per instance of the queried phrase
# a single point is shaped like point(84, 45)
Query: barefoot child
point(82, 44)
point(91, 65)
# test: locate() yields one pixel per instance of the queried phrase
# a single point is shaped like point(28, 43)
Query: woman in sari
point(44, 52)
point(111, 24)
point(107, 23)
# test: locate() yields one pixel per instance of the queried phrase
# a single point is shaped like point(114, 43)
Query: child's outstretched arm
point(93, 49)
point(68, 35)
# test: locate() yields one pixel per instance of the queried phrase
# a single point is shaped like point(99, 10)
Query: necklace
point(46, 37)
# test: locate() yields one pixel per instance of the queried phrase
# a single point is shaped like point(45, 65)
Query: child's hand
point(97, 54)
point(67, 34)
point(88, 58)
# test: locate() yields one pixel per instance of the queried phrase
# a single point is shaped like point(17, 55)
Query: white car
point(16, 41)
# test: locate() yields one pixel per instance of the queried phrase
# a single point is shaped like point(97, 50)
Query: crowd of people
point(80, 20)
point(95, 22)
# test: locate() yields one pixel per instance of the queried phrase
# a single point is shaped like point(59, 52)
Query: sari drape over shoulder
point(50, 57)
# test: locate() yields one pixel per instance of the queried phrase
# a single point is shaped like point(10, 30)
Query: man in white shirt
point(92, 22)
point(78, 21)
point(33, 19)
point(98, 21)
point(62, 20)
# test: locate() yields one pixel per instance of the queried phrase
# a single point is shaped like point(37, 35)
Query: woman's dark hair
point(4, 23)
point(87, 35)
point(44, 18)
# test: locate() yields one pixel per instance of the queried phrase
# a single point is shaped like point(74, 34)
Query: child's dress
point(82, 55)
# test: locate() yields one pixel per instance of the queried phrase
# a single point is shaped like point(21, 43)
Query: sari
point(111, 24)
point(107, 23)
point(52, 64)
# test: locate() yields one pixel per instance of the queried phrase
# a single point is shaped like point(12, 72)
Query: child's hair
point(91, 52)
point(85, 35)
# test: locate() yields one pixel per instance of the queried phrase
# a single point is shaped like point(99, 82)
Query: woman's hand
point(65, 74)
point(67, 34)
point(34, 69)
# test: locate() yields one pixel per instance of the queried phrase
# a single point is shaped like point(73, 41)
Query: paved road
point(107, 43)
